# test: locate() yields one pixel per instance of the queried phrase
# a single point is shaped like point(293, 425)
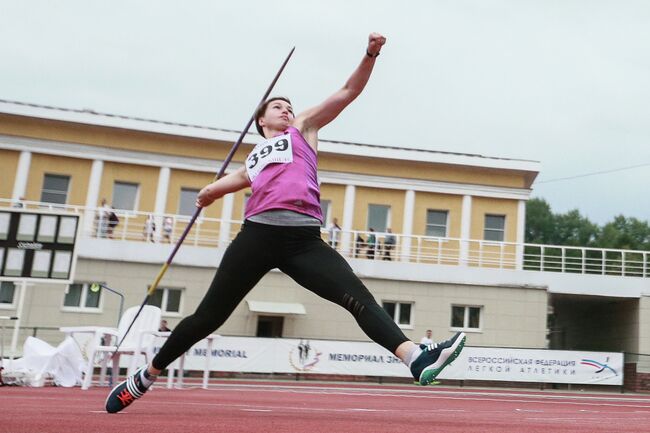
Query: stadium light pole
point(95, 287)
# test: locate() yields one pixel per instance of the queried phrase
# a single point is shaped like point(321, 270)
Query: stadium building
point(437, 237)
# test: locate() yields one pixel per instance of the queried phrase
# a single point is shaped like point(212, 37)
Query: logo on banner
point(599, 366)
point(304, 357)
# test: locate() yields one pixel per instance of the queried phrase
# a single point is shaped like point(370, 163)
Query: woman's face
point(278, 115)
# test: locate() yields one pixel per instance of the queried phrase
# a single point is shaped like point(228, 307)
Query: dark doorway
point(269, 326)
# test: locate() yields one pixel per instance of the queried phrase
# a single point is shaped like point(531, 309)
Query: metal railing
point(215, 232)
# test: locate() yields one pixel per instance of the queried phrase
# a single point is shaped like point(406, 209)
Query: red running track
point(241, 406)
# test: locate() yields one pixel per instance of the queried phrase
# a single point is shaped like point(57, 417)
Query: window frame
point(81, 308)
point(165, 298)
point(389, 217)
point(398, 309)
point(494, 230)
point(466, 317)
point(67, 192)
point(12, 305)
point(427, 225)
point(180, 197)
point(136, 199)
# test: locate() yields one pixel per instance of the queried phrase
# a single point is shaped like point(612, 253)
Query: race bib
point(272, 151)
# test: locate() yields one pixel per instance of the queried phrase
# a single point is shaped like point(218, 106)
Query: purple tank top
point(292, 186)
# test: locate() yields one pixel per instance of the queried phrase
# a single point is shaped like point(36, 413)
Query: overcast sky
point(563, 82)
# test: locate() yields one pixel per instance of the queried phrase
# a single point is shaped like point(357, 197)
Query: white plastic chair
point(136, 342)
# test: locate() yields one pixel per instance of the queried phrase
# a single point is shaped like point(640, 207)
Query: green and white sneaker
point(435, 357)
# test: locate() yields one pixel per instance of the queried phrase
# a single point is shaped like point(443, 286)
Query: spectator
point(168, 226)
point(163, 326)
point(113, 221)
point(427, 338)
point(334, 231)
point(149, 229)
point(372, 242)
point(389, 244)
point(103, 215)
point(358, 245)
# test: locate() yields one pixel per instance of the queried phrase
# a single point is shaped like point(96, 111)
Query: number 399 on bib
point(276, 150)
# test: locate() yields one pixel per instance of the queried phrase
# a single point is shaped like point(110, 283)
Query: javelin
point(198, 209)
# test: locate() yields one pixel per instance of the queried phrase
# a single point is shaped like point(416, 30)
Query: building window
point(326, 208)
point(80, 296)
point(7, 292)
point(400, 312)
point(436, 223)
point(378, 217)
point(466, 317)
point(168, 300)
point(269, 326)
point(187, 201)
point(125, 195)
point(494, 228)
point(55, 189)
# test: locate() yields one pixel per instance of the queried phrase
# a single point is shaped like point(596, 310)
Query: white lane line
point(257, 410)
point(366, 410)
point(421, 390)
point(551, 399)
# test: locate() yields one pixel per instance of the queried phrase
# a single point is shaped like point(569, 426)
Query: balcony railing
point(214, 232)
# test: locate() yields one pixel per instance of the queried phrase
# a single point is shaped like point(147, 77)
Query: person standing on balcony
point(149, 230)
point(103, 214)
point(168, 226)
point(282, 230)
point(359, 242)
point(372, 244)
point(389, 244)
point(334, 232)
point(113, 221)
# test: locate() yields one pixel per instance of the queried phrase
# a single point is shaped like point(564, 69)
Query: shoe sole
point(430, 373)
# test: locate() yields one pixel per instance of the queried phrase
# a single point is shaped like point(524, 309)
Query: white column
point(227, 205)
point(465, 226)
point(92, 196)
point(348, 217)
point(521, 235)
point(22, 173)
point(161, 199)
point(407, 227)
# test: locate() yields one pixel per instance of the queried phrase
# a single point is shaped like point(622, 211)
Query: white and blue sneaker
point(434, 357)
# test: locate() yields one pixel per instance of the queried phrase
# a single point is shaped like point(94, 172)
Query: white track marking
point(576, 400)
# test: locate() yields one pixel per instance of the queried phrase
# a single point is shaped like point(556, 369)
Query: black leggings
point(298, 252)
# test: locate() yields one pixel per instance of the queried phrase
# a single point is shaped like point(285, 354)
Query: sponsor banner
point(283, 355)
point(530, 365)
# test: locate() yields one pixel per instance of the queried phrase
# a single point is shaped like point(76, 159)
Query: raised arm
point(311, 120)
point(230, 183)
